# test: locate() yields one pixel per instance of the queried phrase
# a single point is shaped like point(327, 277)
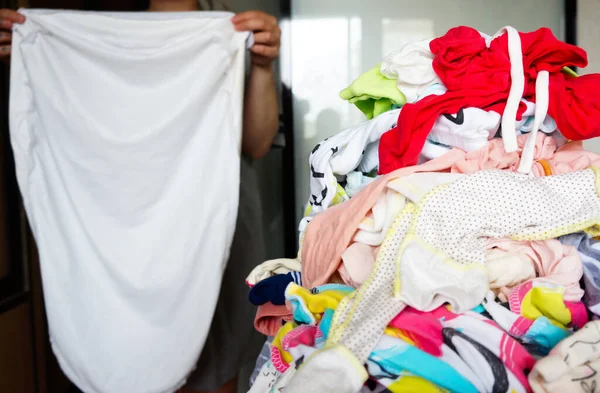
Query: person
point(226, 348)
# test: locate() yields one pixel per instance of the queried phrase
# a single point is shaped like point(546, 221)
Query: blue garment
point(395, 356)
point(545, 334)
point(272, 289)
point(589, 252)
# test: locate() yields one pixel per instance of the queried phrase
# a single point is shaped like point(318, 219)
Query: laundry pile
point(449, 243)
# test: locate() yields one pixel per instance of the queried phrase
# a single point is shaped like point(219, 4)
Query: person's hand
point(7, 19)
point(267, 35)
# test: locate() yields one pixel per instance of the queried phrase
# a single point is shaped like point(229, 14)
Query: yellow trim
point(338, 327)
point(358, 366)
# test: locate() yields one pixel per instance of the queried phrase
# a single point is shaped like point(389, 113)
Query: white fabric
point(332, 369)
point(126, 130)
point(412, 68)
point(470, 129)
point(272, 268)
point(517, 86)
point(525, 125)
point(542, 93)
point(340, 155)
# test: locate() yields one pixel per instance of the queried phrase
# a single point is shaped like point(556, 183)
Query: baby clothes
point(540, 331)
point(357, 262)
point(271, 268)
point(507, 269)
point(269, 318)
point(443, 238)
point(536, 298)
point(572, 365)
point(266, 378)
point(263, 358)
point(373, 93)
point(525, 125)
point(546, 261)
point(340, 155)
point(272, 289)
point(306, 304)
point(589, 251)
point(384, 382)
point(411, 67)
point(356, 181)
point(470, 129)
point(395, 356)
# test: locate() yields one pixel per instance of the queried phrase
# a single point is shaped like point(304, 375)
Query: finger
point(270, 52)
point(12, 16)
point(267, 38)
point(242, 16)
point(252, 25)
point(5, 37)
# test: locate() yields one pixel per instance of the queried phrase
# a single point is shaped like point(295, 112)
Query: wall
point(588, 37)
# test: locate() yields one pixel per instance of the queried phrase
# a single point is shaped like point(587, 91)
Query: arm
point(260, 103)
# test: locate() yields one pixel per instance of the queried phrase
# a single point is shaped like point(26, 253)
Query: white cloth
point(118, 121)
point(470, 129)
point(412, 68)
point(525, 125)
point(272, 268)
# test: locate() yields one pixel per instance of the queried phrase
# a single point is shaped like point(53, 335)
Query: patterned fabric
point(487, 204)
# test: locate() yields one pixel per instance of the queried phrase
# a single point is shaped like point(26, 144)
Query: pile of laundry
point(450, 242)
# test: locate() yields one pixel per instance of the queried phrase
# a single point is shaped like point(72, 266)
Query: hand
point(267, 35)
point(7, 19)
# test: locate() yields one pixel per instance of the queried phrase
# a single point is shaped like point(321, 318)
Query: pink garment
point(569, 158)
point(553, 262)
point(268, 318)
point(489, 334)
point(424, 330)
point(358, 261)
point(302, 335)
point(579, 315)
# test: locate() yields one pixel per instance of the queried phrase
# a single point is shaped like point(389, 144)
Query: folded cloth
point(572, 365)
point(269, 318)
point(271, 268)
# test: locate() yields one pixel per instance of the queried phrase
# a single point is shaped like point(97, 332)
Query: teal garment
point(395, 357)
point(373, 93)
point(324, 326)
point(545, 334)
point(300, 310)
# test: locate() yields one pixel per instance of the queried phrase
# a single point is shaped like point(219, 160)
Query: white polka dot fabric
point(369, 309)
point(435, 248)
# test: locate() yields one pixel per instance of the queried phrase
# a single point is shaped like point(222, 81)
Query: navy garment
point(272, 289)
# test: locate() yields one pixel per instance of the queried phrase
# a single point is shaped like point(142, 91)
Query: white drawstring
point(517, 87)
point(542, 98)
